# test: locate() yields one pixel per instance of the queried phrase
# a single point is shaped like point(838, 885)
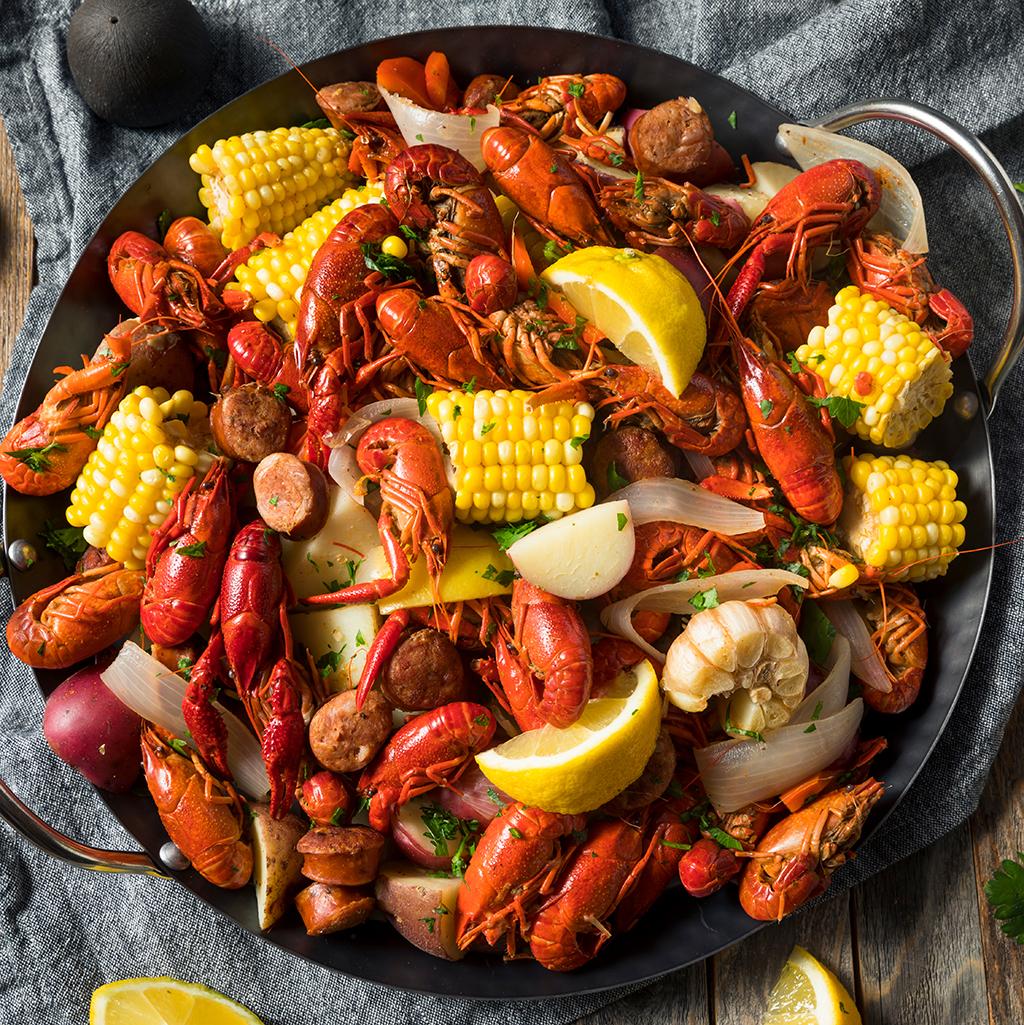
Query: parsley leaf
point(615, 479)
point(181, 747)
point(488, 427)
point(329, 662)
point(576, 89)
point(1019, 186)
point(196, 550)
point(840, 408)
point(766, 406)
point(723, 839)
point(638, 185)
point(470, 386)
point(716, 218)
point(733, 730)
point(503, 577)
point(705, 599)
point(1005, 892)
point(391, 267)
point(36, 458)
point(817, 632)
point(578, 440)
point(508, 536)
point(422, 394)
point(67, 542)
point(676, 846)
point(621, 519)
point(320, 122)
point(732, 119)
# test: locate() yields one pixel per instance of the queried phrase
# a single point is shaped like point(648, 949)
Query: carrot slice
point(406, 77)
point(441, 88)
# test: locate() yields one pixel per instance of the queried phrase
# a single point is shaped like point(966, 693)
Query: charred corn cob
point(511, 463)
point(872, 355)
point(274, 277)
point(144, 457)
point(902, 516)
point(269, 181)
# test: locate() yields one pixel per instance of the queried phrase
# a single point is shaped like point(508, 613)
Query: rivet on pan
point(172, 857)
point(966, 405)
point(22, 554)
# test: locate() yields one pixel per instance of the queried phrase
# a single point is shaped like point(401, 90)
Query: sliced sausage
point(672, 139)
point(341, 855)
point(424, 672)
point(291, 495)
point(344, 738)
point(485, 90)
point(629, 454)
point(326, 909)
point(250, 422)
point(652, 782)
point(343, 98)
point(179, 658)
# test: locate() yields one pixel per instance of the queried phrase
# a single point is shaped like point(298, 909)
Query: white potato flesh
point(579, 556)
point(338, 639)
point(770, 178)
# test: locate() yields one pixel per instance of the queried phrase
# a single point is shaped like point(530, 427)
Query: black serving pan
point(678, 931)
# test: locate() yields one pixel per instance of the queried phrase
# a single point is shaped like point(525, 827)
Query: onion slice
point(737, 772)
point(737, 586)
point(832, 692)
point(901, 211)
point(460, 132)
point(152, 691)
point(700, 464)
point(866, 663)
point(680, 501)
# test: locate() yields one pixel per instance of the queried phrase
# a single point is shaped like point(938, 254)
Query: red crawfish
point(194, 242)
point(203, 815)
point(185, 561)
point(430, 750)
point(436, 190)
point(708, 865)
point(900, 633)
point(260, 355)
point(553, 658)
point(517, 855)
point(571, 104)
point(490, 284)
point(796, 858)
point(75, 618)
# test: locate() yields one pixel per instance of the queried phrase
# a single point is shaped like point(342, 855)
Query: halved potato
point(421, 907)
point(277, 864)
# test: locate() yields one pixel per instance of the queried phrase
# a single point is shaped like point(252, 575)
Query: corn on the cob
point(144, 457)
point(274, 277)
point(901, 515)
point(874, 356)
point(269, 181)
point(511, 463)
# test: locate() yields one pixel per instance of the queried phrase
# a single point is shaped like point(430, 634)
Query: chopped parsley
point(738, 730)
point(732, 119)
point(494, 797)
point(36, 459)
point(705, 599)
point(391, 267)
point(676, 846)
point(503, 577)
point(281, 392)
point(817, 632)
point(488, 427)
point(422, 394)
point(555, 251)
point(273, 501)
point(578, 440)
point(615, 479)
point(514, 833)
point(181, 747)
point(196, 550)
point(638, 185)
point(329, 662)
point(766, 407)
point(360, 640)
point(576, 89)
point(716, 218)
point(470, 386)
point(68, 542)
point(184, 667)
point(840, 408)
point(508, 536)
point(320, 122)
point(621, 519)
point(723, 839)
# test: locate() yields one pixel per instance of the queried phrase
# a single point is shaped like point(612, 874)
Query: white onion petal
point(700, 464)
point(901, 211)
point(832, 692)
point(681, 501)
point(675, 598)
point(460, 132)
point(737, 772)
point(867, 664)
point(152, 691)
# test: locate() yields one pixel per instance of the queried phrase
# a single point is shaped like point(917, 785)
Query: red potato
point(421, 907)
point(420, 830)
point(473, 796)
point(91, 730)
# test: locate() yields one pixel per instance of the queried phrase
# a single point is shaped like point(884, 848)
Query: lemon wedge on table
point(646, 307)
point(579, 768)
point(165, 1001)
point(807, 993)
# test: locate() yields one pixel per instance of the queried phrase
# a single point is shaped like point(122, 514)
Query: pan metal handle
point(25, 821)
point(991, 172)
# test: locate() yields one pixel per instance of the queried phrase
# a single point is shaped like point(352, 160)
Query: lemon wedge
point(164, 1001)
point(647, 308)
point(584, 765)
point(807, 993)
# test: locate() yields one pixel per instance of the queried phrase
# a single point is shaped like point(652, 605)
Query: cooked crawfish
point(707, 866)
point(900, 634)
point(795, 860)
point(782, 313)
point(537, 346)
point(45, 451)
point(203, 815)
point(259, 354)
point(570, 104)
point(76, 618)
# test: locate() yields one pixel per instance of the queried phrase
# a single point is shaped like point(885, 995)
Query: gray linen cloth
point(64, 932)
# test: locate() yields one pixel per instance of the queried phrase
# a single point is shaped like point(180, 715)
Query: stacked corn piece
point(269, 181)
point(902, 516)
point(873, 355)
point(142, 460)
point(274, 277)
point(511, 463)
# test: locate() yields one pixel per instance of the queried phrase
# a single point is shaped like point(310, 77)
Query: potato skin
point(411, 898)
point(250, 422)
point(341, 855)
point(277, 865)
point(291, 495)
point(425, 672)
point(344, 738)
point(326, 909)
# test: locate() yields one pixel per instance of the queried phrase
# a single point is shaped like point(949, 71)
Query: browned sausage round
point(424, 672)
point(652, 782)
point(181, 657)
point(326, 909)
point(344, 738)
point(159, 358)
point(629, 454)
point(672, 139)
point(343, 98)
point(291, 495)
point(341, 855)
point(250, 422)
point(485, 90)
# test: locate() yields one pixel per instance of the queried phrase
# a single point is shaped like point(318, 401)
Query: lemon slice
point(647, 308)
point(164, 1001)
point(581, 767)
point(807, 993)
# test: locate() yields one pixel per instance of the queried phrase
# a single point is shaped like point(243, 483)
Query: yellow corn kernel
point(395, 246)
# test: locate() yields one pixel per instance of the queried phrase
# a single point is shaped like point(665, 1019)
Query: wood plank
point(15, 251)
point(918, 941)
point(744, 975)
point(679, 999)
point(997, 832)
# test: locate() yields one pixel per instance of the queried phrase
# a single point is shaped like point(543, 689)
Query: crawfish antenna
point(295, 67)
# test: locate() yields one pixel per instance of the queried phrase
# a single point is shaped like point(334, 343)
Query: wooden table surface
point(916, 945)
